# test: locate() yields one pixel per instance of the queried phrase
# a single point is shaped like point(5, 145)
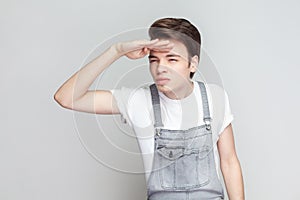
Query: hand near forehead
point(140, 48)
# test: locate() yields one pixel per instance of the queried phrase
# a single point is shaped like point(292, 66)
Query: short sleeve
point(220, 108)
point(228, 116)
point(122, 96)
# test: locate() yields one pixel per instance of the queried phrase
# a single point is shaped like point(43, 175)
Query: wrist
point(117, 49)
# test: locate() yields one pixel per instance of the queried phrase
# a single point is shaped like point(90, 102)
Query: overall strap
point(206, 113)
point(156, 108)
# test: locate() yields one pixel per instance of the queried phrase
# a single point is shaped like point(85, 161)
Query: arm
point(230, 165)
point(74, 93)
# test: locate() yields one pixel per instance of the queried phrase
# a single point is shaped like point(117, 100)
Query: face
point(170, 70)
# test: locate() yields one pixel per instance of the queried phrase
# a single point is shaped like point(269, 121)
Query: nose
point(162, 67)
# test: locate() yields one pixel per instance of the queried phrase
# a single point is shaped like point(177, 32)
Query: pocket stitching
point(191, 186)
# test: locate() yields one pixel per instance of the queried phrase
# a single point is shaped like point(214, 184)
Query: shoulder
point(216, 92)
point(217, 98)
point(131, 93)
point(136, 99)
point(139, 94)
point(214, 88)
point(134, 104)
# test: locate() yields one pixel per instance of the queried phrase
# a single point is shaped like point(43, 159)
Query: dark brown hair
point(178, 29)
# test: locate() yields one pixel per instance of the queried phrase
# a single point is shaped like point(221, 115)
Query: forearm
point(233, 178)
point(76, 86)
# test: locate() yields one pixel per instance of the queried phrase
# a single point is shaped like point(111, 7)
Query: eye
point(172, 60)
point(151, 61)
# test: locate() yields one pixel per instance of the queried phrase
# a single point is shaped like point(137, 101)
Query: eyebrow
point(169, 55)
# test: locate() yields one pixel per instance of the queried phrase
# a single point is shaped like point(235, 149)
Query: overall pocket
point(181, 169)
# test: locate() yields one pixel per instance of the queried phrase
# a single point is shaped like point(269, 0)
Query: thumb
point(146, 50)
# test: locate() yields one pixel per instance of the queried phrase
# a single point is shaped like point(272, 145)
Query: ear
point(194, 63)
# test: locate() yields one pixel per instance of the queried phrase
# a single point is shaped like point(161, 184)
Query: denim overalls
point(183, 163)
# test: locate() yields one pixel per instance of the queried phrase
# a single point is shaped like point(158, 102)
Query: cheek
point(152, 70)
point(181, 70)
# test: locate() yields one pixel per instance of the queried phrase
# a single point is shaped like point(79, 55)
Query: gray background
point(254, 45)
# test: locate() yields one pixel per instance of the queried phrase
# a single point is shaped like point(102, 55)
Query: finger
point(161, 44)
point(154, 40)
point(169, 45)
point(149, 42)
point(158, 41)
point(162, 47)
point(140, 44)
point(145, 51)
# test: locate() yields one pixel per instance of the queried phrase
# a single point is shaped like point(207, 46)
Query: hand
point(140, 48)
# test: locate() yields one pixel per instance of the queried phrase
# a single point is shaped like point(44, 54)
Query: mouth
point(162, 81)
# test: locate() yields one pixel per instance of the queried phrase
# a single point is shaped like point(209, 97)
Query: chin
point(163, 88)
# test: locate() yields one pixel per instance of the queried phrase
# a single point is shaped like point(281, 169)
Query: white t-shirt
point(135, 106)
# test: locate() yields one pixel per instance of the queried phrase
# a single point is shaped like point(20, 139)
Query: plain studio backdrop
point(48, 152)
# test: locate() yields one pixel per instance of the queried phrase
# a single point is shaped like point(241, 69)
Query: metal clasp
point(207, 124)
point(157, 131)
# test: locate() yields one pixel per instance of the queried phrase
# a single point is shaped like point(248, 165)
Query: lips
point(162, 81)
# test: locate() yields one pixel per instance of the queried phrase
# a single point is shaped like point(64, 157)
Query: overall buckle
point(207, 124)
point(157, 131)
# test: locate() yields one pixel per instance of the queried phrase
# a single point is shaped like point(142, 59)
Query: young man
point(177, 121)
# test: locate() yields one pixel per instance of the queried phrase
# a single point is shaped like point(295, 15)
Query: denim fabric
point(183, 163)
point(180, 195)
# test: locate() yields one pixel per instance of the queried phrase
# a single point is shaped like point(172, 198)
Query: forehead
point(179, 49)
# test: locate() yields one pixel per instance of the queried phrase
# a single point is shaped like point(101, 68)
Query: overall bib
point(183, 164)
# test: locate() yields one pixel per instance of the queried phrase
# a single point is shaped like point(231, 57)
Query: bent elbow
point(61, 101)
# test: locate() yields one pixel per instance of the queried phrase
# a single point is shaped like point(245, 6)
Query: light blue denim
point(183, 163)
